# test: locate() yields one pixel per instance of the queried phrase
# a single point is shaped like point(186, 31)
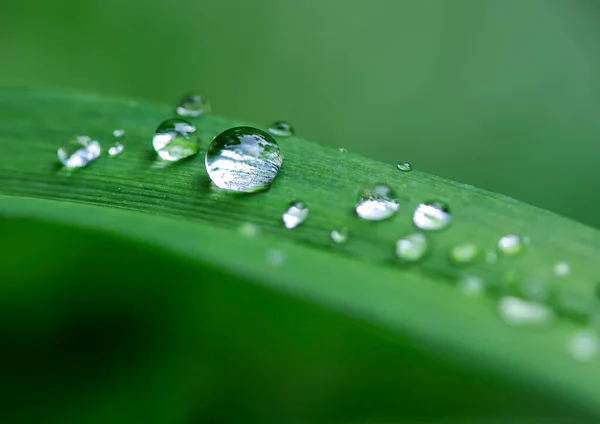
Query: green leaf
point(131, 293)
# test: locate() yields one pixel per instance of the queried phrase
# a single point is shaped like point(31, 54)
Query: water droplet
point(79, 151)
point(432, 216)
point(583, 346)
point(470, 285)
point(412, 248)
point(118, 133)
point(510, 245)
point(340, 236)
point(275, 257)
point(404, 167)
point(295, 215)
point(491, 257)
point(377, 203)
point(562, 269)
point(176, 139)
point(519, 312)
point(463, 254)
point(193, 105)
point(116, 149)
point(343, 150)
point(282, 129)
point(249, 229)
point(243, 159)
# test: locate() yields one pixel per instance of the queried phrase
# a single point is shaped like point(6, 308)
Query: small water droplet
point(275, 257)
point(404, 167)
point(176, 139)
point(583, 345)
point(377, 203)
point(562, 269)
point(491, 257)
point(249, 229)
point(243, 159)
point(465, 253)
point(340, 236)
point(510, 245)
point(116, 149)
point(193, 105)
point(295, 215)
point(282, 129)
point(519, 312)
point(118, 133)
point(432, 216)
point(79, 151)
point(470, 285)
point(343, 150)
point(412, 248)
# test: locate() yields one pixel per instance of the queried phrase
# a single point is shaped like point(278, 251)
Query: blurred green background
point(504, 95)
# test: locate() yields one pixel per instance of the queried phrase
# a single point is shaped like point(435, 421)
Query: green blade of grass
point(173, 210)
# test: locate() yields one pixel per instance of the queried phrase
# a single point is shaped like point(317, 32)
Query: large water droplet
point(377, 203)
point(583, 345)
point(340, 236)
point(243, 159)
point(412, 248)
point(464, 254)
point(79, 151)
point(404, 167)
point(281, 129)
point(510, 245)
point(562, 269)
point(432, 216)
point(193, 105)
point(176, 139)
point(470, 285)
point(295, 215)
point(519, 312)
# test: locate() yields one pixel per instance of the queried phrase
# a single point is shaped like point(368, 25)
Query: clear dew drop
point(192, 105)
point(281, 129)
point(562, 269)
point(470, 285)
point(464, 254)
point(340, 236)
point(275, 257)
point(404, 167)
point(511, 245)
point(79, 152)
point(249, 229)
point(243, 159)
point(116, 149)
point(295, 215)
point(377, 203)
point(176, 139)
point(411, 248)
point(519, 312)
point(343, 150)
point(432, 216)
point(583, 345)
point(118, 133)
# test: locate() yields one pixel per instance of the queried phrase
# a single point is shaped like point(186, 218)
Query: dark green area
point(155, 308)
point(504, 95)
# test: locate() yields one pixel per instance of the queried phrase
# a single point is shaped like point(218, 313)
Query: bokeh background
point(504, 95)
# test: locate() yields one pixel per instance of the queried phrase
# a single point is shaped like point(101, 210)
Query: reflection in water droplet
point(510, 245)
point(281, 129)
point(79, 152)
point(404, 167)
point(243, 159)
point(340, 236)
point(465, 253)
point(295, 215)
point(192, 105)
point(470, 285)
point(116, 149)
point(583, 345)
point(562, 269)
point(176, 139)
point(249, 229)
point(519, 312)
point(275, 257)
point(432, 216)
point(343, 150)
point(377, 203)
point(412, 248)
